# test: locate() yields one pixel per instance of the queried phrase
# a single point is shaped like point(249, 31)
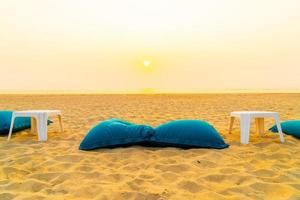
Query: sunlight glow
point(147, 63)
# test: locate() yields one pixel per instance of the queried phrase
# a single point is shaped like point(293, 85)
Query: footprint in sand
point(189, 186)
point(83, 168)
point(176, 168)
point(60, 179)
point(296, 186)
point(235, 179)
point(29, 185)
point(205, 164)
point(55, 191)
point(169, 176)
point(22, 160)
point(29, 197)
point(87, 192)
point(138, 195)
point(294, 197)
point(46, 177)
point(272, 191)
point(245, 190)
point(147, 177)
point(7, 196)
point(11, 172)
point(263, 173)
point(69, 158)
point(134, 186)
point(218, 178)
point(229, 171)
point(148, 196)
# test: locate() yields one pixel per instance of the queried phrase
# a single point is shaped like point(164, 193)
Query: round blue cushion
point(291, 127)
point(188, 134)
point(115, 133)
point(20, 123)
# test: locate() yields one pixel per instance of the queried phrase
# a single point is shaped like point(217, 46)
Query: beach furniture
point(245, 120)
point(39, 121)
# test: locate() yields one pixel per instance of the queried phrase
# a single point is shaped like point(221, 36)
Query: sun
point(147, 63)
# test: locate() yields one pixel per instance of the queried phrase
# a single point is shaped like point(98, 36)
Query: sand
point(264, 169)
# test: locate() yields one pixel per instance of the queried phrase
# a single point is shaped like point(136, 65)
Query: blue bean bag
point(20, 123)
point(116, 133)
point(291, 127)
point(188, 134)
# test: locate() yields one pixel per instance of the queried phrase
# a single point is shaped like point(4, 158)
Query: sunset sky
point(188, 46)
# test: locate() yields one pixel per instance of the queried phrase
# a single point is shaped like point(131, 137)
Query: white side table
point(245, 120)
point(39, 121)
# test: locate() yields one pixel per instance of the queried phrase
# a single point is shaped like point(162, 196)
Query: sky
point(190, 46)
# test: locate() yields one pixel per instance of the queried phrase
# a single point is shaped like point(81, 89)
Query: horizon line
point(224, 91)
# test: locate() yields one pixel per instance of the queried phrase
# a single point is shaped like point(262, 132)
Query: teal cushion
point(291, 127)
point(20, 123)
point(116, 133)
point(188, 134)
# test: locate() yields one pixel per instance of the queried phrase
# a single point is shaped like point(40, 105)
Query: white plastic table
point(39, 121)
point(245, 120)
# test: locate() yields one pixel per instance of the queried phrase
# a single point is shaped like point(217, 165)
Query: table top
point(32, 112)
point(253, 113)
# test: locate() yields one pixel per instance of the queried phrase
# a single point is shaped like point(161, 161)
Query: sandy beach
point(56, 169)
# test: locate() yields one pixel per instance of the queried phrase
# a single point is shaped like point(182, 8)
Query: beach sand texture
point(264, 169)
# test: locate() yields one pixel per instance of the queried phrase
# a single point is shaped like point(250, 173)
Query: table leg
point(33, 125)
point(231, 124)
point(60, 123)
point(42, 126)
point(11, 126)
point(260, 125)
point(277, 120)
point(245, 128)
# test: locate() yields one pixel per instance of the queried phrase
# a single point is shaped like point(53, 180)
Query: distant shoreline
point(149, 93)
